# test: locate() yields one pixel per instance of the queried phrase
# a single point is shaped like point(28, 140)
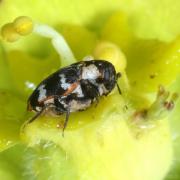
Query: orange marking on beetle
point(45, 99)
point(71, 88)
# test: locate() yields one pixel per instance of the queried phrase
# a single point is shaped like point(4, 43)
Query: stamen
point(23, 26)
point(58, 42)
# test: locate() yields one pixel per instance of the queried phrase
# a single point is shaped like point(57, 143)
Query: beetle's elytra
point(73, 88)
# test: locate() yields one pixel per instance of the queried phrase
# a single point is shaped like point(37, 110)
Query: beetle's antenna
point(118, 75)
point(119, 90)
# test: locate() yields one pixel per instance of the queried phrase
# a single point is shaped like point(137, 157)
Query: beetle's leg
point(35, 116)
point(66, 120)
point(38, 113)
point(60, 109)
point(90, 90)
point(96, 101)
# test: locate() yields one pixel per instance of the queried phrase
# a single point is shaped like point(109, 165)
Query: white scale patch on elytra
point(63, 82)
point(42, 93)
point(90, 72)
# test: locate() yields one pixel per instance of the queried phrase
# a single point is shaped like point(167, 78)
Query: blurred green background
point(146, 31)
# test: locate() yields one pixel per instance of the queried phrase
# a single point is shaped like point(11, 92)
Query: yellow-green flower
point(125, 137)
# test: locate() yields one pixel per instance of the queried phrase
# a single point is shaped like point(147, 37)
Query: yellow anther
point(23, 25)
point(8, 33)
point(109, 51)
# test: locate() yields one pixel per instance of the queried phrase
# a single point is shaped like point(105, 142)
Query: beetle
point(73, 88)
